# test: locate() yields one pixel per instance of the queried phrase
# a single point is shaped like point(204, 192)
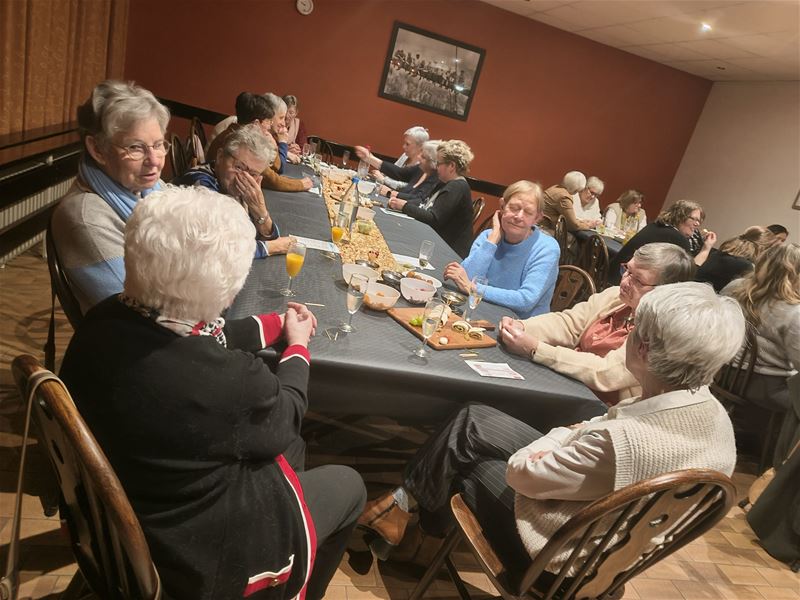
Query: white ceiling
point(749, 40)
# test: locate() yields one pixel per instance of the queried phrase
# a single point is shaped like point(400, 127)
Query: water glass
point(356, 289)
point(425, 253)
point(295, 257)
point(430, 323)
point(345, 158)
point(363, 169)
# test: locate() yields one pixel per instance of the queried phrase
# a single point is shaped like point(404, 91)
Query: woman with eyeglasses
point(122, 127)
point(587, 342)
point(587, 201)
point(626, 214)
point(675, 225)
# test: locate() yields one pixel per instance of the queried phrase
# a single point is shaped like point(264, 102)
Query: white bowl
point(366, 187)
point(367, 214)
point(416, 290)
point(380, 296)
point(432, 280)
point(349, 268)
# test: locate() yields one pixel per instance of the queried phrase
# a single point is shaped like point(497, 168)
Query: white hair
point(574, 182)
point(188, 251)
point(595, 184)
point(670, 263)
point(418, 133)
point(253, 139)
point(690, 332)
point(277, 103)
point(430, 149)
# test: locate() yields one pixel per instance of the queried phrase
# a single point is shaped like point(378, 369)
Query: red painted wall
point(546, 102)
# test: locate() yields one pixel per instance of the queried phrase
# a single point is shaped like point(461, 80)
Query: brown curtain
point(53, 53)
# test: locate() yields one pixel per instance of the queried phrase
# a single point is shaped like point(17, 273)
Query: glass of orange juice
point(337, 232)
point(295, 258)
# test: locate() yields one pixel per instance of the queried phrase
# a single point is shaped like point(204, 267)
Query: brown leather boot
point(385, 518)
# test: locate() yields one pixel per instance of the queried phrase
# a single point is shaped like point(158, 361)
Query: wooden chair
point(196, 128)
point(594, 260)
point(177, 157)
point(572, 286)
point(477, 208)
point(608, 542)
point(107, 541)
point(560, 235)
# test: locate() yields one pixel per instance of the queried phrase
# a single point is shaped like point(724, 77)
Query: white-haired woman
point(519, 261)
point(523, 485)
point(587, 201)
point(420, 187)
point(295, 127)
point(195, 424)
point(122, 128)
point(398, 174)
point(587, 342)
point(558, 201)
point(627, 214)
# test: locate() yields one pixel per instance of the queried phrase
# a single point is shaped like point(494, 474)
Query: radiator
point(28, 206)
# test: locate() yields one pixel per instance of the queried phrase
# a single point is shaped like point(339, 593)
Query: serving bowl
point(367, 263)
point(416, 290)
point(366, 187)
point(432, 280)
point(349, 268)
point(453, 298)
point(380, 296)
point(391, 278)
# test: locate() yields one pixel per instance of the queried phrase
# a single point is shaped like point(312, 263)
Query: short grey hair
point(253, 139)
point(671, 263)
point(276, 102)
point(430, 150)
point(418, 133)
point(690, 332)
point(115, 106)
point(574, 182)
point(188, 251)
point(595, 184)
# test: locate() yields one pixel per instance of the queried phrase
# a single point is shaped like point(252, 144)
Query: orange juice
point(294, 262)
point(336, 234)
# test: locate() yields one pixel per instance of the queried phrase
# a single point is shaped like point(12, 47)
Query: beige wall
point(743, 161)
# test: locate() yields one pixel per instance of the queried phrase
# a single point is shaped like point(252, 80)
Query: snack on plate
point(461, 326)
point(475, 333)
point(444, 341)
point(416, 320)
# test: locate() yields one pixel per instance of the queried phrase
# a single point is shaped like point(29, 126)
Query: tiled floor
point(726, 563)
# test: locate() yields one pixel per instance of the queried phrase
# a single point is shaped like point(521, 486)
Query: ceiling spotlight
point(705, 27)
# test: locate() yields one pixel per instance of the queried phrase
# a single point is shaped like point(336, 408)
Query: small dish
point(453, 298)
point(349, 268)
point(380, 296)
point(416, 291)
point(367, 263)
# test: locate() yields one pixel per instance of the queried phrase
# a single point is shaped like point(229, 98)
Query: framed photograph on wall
point(431, 71)
point(796, 203)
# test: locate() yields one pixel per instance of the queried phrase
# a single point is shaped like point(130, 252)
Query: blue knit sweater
point(521, 276)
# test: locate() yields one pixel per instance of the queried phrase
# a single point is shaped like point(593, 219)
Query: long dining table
point(372, 370)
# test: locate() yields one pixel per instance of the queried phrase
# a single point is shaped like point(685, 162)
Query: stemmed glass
point(363, 169)
point(306, 151)
point(345, 158)
point(295, 258)
point(430, 322)
point(425, 253)
point(355, 296)
point(476, 291)
point(337, 232)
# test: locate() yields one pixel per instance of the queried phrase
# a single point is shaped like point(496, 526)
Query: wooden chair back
point(573, 285)
point(59, 282)
point(594, 260)
point(609, 541)
point(196, 128)
point(477, 208)
point(177, 157)
point(730, 382)
point(560, 235)
point(106, 537)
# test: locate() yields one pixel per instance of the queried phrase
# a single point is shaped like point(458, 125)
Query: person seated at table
point(195, 424)
point(626, 214)
point(254, 109)
point(587, 341)
point(523, 486)
point(295, 128)
point(448, 210)
point(236, 171)
point(280, 131)
point(394, 178)
point(587, 201)
point(780, 232)
point(122, 128)
point(419, 189)
point(558, 201)
point(735, 257)
point(675, 225)
point(519, 261)
point(770, 298)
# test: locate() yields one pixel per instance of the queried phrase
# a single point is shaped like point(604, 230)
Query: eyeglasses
point(138, 150)
point(241, 167)
point(594, 194)
point(697, 222)
point(636, 281)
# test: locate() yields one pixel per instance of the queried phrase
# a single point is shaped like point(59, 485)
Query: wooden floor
point(726, 563)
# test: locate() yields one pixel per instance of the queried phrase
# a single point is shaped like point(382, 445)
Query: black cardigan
point(450, 216)
point(652, 232)
point(194, 431)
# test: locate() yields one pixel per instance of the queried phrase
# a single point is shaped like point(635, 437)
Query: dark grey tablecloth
point(613, 245)
point(372, 371)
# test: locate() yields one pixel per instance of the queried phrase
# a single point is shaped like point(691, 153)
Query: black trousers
point(469, 455)
point(335, 496)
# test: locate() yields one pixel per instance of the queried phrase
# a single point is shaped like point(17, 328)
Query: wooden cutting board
point(456, 340)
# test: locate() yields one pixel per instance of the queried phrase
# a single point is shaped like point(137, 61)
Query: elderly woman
point(122, 128)
point(295, 129)
point(420, 186)
point(523, 485)
point(237, 172)
point(626, 214)
point(587, 201)
point(587, 342)
point(519, 261)
point(449, 208)
point(558, 201)
point(195, 424)
point(735, 257)
point(393, 178)
point(675, 225)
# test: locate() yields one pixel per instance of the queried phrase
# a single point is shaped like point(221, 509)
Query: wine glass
point(355, 296)
point(363, 169)
point(430, 322)
point(337, 232)
point(295, 258)
point(345, 158)
point(476, 291)
point(425, 253)
point(306, 151)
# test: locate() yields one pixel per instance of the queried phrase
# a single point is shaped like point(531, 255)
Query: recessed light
point(705, 27)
